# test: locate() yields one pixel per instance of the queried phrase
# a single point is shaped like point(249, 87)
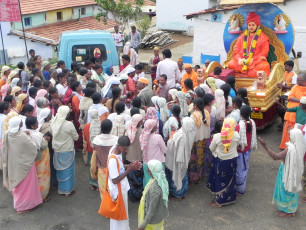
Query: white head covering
point(126, 48)
point(167, 129)
point(183, 103)
point(130, 70)
point(14, 124)
point(14, 82)
point(59, 119)
point(123, 76)
point(293, 170)
point(220, 102)
point(154, 101)
point(173, 92)
point(303, 100)
point(205, 87)
point(43, 114)
point(163, 110)
point(189, 128)
point(110, 82)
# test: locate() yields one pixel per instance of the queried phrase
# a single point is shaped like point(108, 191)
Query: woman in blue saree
point(289, 176)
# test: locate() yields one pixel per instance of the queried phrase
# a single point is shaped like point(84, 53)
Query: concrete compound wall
point(208, 36)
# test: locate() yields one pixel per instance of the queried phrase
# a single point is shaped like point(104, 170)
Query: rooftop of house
point(50, 34)
point(35, 6)
point(212, 10)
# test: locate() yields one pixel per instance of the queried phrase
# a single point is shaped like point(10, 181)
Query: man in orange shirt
point(190, 73)
point(289, 76)
point(297, 92)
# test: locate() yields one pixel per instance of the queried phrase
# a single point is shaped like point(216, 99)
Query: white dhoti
point(121, 224)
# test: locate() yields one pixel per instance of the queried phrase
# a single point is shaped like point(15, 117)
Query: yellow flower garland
point(252, 48)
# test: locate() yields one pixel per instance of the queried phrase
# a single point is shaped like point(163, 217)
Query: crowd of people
point(141, 141)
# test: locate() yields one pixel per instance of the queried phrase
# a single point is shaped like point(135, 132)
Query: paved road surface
point(79, 212)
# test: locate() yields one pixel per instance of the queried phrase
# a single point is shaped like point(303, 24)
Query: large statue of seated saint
point(251, 49)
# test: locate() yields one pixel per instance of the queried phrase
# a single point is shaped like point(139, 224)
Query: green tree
point(143, 24)
point(123, 11)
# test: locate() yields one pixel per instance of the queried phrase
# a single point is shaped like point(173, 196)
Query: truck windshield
point(81, 53)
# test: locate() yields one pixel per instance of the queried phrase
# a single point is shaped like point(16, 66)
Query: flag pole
point(25, 42)
point(2, 44)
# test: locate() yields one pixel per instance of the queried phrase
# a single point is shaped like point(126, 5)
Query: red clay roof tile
point(50, 34)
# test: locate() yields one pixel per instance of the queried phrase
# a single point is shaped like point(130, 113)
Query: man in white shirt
point(118, 39)
point(168, 67)
point(118, 175)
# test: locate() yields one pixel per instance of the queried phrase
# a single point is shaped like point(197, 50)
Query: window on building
point(83, 11)
point(59, 15)
point(82, 53)
point(27, 21)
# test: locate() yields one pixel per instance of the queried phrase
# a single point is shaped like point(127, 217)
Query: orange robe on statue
point(259, 57)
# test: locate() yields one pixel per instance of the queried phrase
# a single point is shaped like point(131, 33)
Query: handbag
point(112, 209)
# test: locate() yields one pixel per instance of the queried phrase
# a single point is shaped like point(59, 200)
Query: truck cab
point(82, 45)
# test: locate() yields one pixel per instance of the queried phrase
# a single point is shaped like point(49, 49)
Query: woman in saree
point(102, 145)
point(154, 60)
point(135, 178)
point(200, 147)
point(91, 130)
point(75, 104)
point(222, 177)
point(152, 146)
point(289, 176)
point(181, 100)
point(42, 163)
point(64, 135)
point(20, 152)
point(153, 207)
point(178, 156)
point(44, 123)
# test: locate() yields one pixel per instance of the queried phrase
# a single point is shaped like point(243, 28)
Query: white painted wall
point(208, 36)
point(296, 9)
point(170, 13)
point(15, 44)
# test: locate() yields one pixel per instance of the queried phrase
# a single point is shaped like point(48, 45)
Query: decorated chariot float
point(258, 39)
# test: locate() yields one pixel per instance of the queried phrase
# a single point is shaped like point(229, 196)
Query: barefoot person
point(153, 207)
point(222, 177)
point(118, 175)
point(289, 177)
point(19, 152)
point(64, 135)
point(247, 143)
point(43, 162)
